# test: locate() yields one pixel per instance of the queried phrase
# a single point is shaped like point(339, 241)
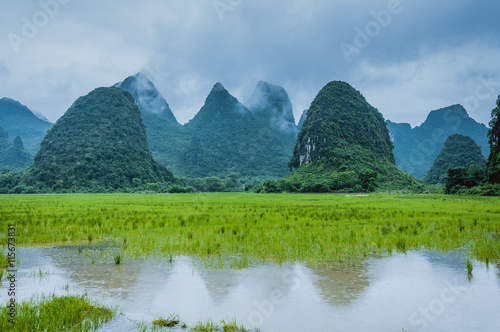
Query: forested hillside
point(100, 142)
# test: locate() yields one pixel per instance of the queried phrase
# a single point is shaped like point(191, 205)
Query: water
point(420, 291)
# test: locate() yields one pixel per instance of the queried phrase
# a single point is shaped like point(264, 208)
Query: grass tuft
point(231, 325)
point(171, 321)
point(4, 261)
point(469, 267)
point(51, 313)
point(4, 264)
point(207, 326)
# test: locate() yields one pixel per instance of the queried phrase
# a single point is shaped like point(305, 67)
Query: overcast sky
point(406, 57)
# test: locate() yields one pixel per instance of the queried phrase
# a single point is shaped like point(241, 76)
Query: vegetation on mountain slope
point(344, 144)
point(100, 142)
point(223, 138)
point(458, 151)
point(473, 179)
point(493, 170)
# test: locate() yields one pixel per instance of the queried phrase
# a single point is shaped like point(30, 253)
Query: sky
point(407, 57)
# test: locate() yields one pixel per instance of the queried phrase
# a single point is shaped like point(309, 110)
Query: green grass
point(67, 313)
point(171, 321)
point(4, 261)
point(40, 273)
point(4, 264)
point(207, 326)
point(469, 267)
point(118, 259)
point(231, 325)
point(238, 229)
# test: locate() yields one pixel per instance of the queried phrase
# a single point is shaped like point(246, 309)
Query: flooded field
point(419, 291)
point(259, 259)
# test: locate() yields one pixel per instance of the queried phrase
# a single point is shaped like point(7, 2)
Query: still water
point(419, 291)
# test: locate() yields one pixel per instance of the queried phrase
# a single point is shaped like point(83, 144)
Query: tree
point(455, 178)
point(344, 180)
point(214, 184)
point(475, 174)
point(136, 182)
point(233, 182)
point(493, 170)
point(270, 186)
point(176, 189)
point(290, 185)
point(458, 151)
point(319, 186)
point(154, 187)
point(369, 179)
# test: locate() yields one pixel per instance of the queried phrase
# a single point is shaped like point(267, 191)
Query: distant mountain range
point(416, 149)
point(223, 138)
point(271, 105)
point(13, 156)
point(17, 120)
point(255, 140)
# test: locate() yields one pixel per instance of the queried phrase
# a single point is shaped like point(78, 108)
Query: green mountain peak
point(458, 151)
point(100, 142)
point(342, 131)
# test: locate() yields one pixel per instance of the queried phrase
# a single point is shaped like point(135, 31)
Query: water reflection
point(92, 268)
point(221, 285)
point(418, 291)
point(340, 286)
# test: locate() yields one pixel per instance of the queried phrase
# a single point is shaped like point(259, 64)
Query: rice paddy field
point(241, 229)
point(231, 232)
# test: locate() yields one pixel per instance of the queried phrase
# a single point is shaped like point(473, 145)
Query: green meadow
point(239, 229)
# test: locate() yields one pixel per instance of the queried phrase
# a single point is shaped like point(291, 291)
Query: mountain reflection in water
point(378, 295)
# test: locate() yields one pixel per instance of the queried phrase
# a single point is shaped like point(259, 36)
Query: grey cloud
point(429, 56)
point(4, 71)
